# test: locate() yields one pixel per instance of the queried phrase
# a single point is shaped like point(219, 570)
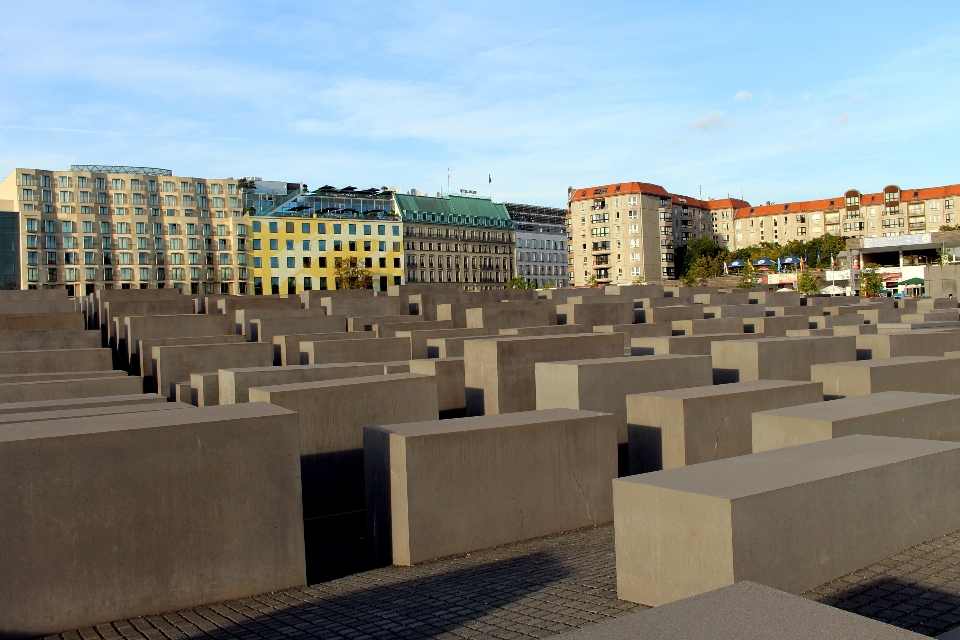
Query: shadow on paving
point(900, 602)
point(422, 607)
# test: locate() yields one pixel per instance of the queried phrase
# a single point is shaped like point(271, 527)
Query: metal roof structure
point(453, 210)
point(107, 168)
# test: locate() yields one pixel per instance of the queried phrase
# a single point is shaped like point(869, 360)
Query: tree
point(592, 281)
point(748, 277)
point(707, 267)
point(547, 286)
point(808, 282)
point(871, 282)
point(639, 280)
point(702, 246)
point(517, 282)
point(689, 280)
point(351, 274)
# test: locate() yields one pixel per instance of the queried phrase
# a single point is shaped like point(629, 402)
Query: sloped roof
point(625, 188)
point(449, 206)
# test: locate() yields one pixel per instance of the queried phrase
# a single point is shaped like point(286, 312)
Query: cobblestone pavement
point(530, 589)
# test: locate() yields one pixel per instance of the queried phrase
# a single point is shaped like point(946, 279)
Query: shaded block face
point(669, 314)
point(775, 326)
point(331, 416)
point(503, 315)
point(743, 611)
point(264, 329)
point(205, 389)
point(923, 374)
point(588, 314)
point(418, 338)
point(453, 486)
point(286, 348)
point(391, 329)
point(791, 519)
point(907, 343)
point(80, 403)
point(235, 384)
point(710, 325)
point(195, 506)
point(900, 414)
point(54, 361)
point(451, 388)
point(63, 389)
point(778, 358)
point(185, 326)
point(696, 345)
point(42, 322)
point(500, 373)
point(604, 384)
point(175, 364)
point(39, 340)
point(735, 311)
point(378, 350)
point(675, 428)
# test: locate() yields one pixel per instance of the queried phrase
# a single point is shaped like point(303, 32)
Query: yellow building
point(296, 253)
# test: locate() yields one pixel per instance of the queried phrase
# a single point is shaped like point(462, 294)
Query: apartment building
point(890, 212)
point(104, 227)
point(459, 239)
point(621, 232)
point(302, 243)
point(541, 251)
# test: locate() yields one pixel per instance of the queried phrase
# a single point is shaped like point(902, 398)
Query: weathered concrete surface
point(175, 364)
point(855, 330)
point(314, 299)
point(604, 384)
point(205, 389)
point(448, 347)
point(451, 387)
point(707, 325)
point(355, 307)
point(229, 306)
point(61, 389)
point(367, 323)
point(146, 366)
point(8, 378)
point(743, 611)
point(925, 374)
point(80, 403)
point(42, 322)
point(113, 312)
point(419, 338)
point(69, 414)
point(506, 315)
point(735, 311)
point(697, 345)
point(634, 291)
point(186, 326)
point(378, 350)
point(264, 329)
point(778, 358)
point(41, 340)
point(554, 330)
point(392, 329)
point(828, 322)
point(244, 317)
point(235, 384)
point(908, 343)
point(331, 417)
point(675, 428)
point(195, 506)
point(802, 333)
point(776, 298)
point(52, 361)
point(501, 372)
point(588, 314)
point(22, 307)
point(457, 312)
point(775, 326)
point(446, 487)
point(286, 348)
point(183, 392)
point(900, 414)
point(669, 314)
point(791, 519)
point(631, 331)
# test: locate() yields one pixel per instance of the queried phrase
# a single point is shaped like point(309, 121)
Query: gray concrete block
point(206, 499)
point(604, 384)
point(229, 306)
point(504, 315)
point(791, 519)
point(828, 322)
point(907, 343)
point(331, 416)
point(554, 330)
point(799, 333)
point(776, 298)
point(777, 358)
point(445, 487)
point(205, 389)
point(367, 323)
point(926, 374)
point(69, 414)
point(176, 363)
point(696, 345)
point(235, 384)
point(21, 307)
point(378, 350)
point(775, 326)
point(9, 378)
point(183, 326)
point(855, 330)
point(286, 348)
point(144, 364)
point(419, 338)
point(675, 428)
point(42, 322)
point(448, 347)
point(589, 314)
point(400, 366)
point(735, 311)
point(80, 403)
point(708, 325)
point(457, 312)
point(900, 327)
point(355, 307)
point(183, 392)
point(451, 385)
point(264, 329)
point(668, 314)
point(48, 340)
point(901, 414)
point(54, 361)
point(743, 611)
point(501, 372)
point(244, 317)
point(392, 329)
point(631, 331)
point(634, 291)
point(62, 389)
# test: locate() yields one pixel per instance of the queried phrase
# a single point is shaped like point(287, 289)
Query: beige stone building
point(622, 232)
point(106, 227)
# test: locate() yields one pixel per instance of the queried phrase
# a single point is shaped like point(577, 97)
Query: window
point(338, 245)
point(289, 245)
point(916, 209)
point(634, 228)
point(274, 244)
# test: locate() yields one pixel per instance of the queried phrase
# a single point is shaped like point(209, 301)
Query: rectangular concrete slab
point(451, 388)
point(743, 611)
point(697, 345)
point(778, 358)
point(440, 488)
point(901, 414)
point(707, 325)
point(791, 519)
point(331, 417)
point(501, 372)
point(286, 348)
point(39, 340)
point(8, 378)
point(176, 363)
point(52, 361)
point(675, 428)
point(505, 315)
point(194, 506)
point(907, 343)
point(144, 364)
point(775, 326)
point(62, 389)
point(378, 350)
point(42, 322)
point(69, 414)
point(925, 374)
point(235, 384)
point(668, 314)
point(205, 389)
point(80, 403)
point(419, 338)
point(264, 329)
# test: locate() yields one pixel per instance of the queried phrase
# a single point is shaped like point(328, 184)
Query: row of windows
point(454, 262)
point(305, 227)
point(457, 276)
point(105, 228)
point(458, 234)
point(321, 262)
point(102, 197)
point(109, 257)
point(73, 274)
point(527, 256)
point(120, 184)
point(305, 245)
point(123, 211)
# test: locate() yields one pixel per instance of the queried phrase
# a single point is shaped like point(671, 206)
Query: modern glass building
point(541, 243)
point(9, 248)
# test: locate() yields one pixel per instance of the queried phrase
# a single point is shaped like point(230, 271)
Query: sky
point(774, 101)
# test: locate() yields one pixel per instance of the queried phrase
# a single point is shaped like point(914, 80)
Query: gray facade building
point(541, 244)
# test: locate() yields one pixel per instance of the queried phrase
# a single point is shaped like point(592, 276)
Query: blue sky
point(783, 101)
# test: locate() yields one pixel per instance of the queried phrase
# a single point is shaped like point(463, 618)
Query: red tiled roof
point(930, 193)
point(626, 188)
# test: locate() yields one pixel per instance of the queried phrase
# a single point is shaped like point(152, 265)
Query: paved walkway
point(526, 590)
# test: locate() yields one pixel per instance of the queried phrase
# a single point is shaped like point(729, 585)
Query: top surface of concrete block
point(860, 406)
point(743, 611)
point(478, 423)
point(759, 473)
point(723, 389)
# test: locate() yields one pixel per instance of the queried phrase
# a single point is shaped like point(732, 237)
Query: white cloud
point(842, 119)
point(743, 96)
point(711, 121)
